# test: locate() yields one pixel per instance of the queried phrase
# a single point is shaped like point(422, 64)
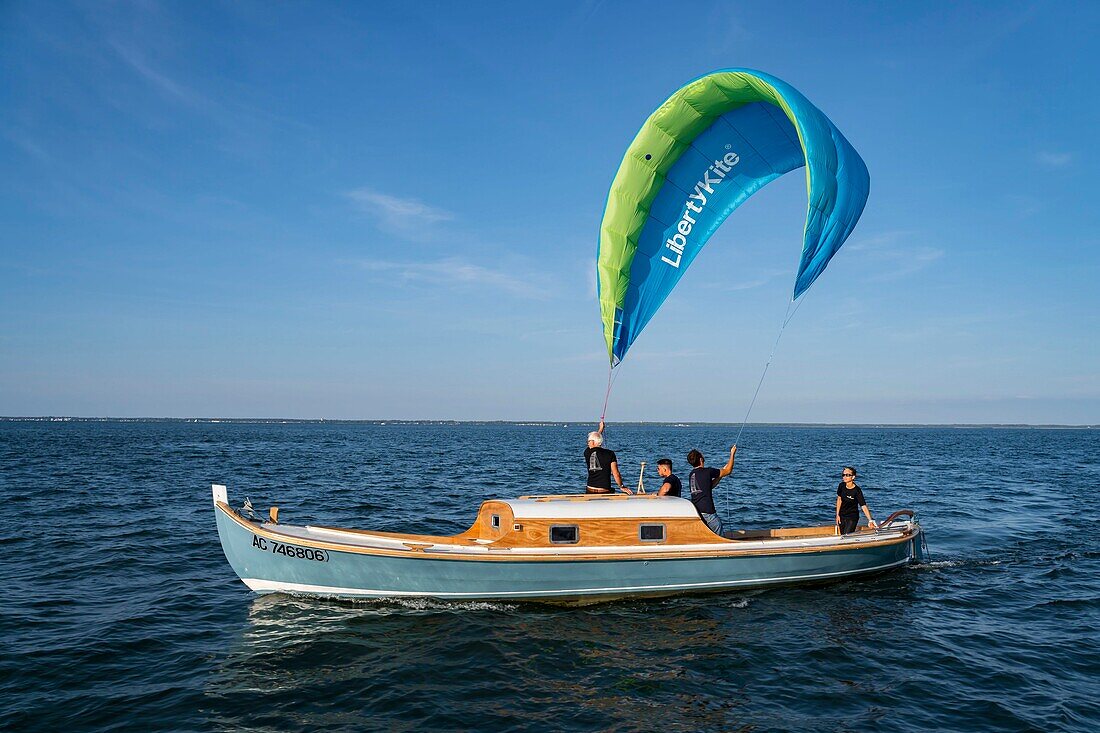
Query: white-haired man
point(602, 466)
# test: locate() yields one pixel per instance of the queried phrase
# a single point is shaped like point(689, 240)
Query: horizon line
point(459, 421)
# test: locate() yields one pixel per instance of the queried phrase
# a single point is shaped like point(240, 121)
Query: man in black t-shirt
point(701, 482)
point(671, 485)
point(602, 466)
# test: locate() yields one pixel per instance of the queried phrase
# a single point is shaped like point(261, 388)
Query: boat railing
point(897, 515)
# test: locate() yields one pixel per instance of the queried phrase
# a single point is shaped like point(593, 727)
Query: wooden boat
point(575, 549)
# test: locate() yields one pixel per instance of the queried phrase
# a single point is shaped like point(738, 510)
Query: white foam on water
point(937, 564)
point(395, 605)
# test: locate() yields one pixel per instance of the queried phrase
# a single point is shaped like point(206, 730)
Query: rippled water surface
point(121, 613)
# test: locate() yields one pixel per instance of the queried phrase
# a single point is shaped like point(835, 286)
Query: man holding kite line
point(702, 481)
point(602, 466)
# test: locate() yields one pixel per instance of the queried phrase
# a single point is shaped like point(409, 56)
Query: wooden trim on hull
point(720, 548)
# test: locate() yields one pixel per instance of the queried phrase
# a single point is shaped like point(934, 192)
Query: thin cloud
point(760, 280)
point(587, 357)
point(549, 333)
point(453, 271)
point(28, 145)
point(1000, 28)
point(945, 327)
point(725, 30)
point(1024, 205)
point(138, 42)
point(404, 216)
point(893, 256)
point(160, 81)
point(878, 241)
point(905, 262)
point(1054, 159)
point(643, 355)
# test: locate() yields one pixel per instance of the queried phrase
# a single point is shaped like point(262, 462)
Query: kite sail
point(711, 145)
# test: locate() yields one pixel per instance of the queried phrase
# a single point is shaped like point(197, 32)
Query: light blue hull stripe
point(279, 587)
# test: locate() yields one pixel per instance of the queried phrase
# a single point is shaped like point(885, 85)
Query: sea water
point(121, 613)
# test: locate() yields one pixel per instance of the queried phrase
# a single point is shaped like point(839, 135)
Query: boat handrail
point(899, 513)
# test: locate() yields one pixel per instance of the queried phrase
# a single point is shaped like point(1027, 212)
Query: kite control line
point(786, 319)
point(607, 394)
point(612, 375)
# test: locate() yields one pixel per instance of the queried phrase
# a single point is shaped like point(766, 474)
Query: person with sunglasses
point(849, 500)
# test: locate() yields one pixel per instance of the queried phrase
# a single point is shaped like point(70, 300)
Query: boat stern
point(920, 545)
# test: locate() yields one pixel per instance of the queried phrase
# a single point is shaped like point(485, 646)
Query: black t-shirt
point(675, 487)
point(850, 500)
point(599, 462)
point(701, 482)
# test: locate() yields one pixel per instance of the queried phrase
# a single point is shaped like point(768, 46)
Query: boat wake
point(397, 605)
point(963, 563)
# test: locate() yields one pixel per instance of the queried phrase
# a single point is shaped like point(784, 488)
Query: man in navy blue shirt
point(702, 481)
point(671, 485)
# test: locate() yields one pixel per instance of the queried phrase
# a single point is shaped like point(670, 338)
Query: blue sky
point(360, 211)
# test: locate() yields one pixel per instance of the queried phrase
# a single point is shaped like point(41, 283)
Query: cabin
point(589, 520)
point(616, 520)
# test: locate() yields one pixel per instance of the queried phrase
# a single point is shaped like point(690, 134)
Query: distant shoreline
point(528, 423)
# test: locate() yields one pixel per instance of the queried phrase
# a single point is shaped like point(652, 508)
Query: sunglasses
point(847, 474)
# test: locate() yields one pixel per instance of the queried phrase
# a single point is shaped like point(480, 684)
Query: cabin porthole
point(651, 532)
point(495, 521)
point(564, 534)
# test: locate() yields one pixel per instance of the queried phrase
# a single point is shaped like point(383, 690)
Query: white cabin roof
point(621, 507)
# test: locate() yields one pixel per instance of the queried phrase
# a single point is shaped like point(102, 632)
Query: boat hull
point(269, 564)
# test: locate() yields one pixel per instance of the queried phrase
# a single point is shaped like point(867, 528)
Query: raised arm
point(727, 469)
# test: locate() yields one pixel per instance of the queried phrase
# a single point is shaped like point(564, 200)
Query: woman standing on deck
point(849, 500)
